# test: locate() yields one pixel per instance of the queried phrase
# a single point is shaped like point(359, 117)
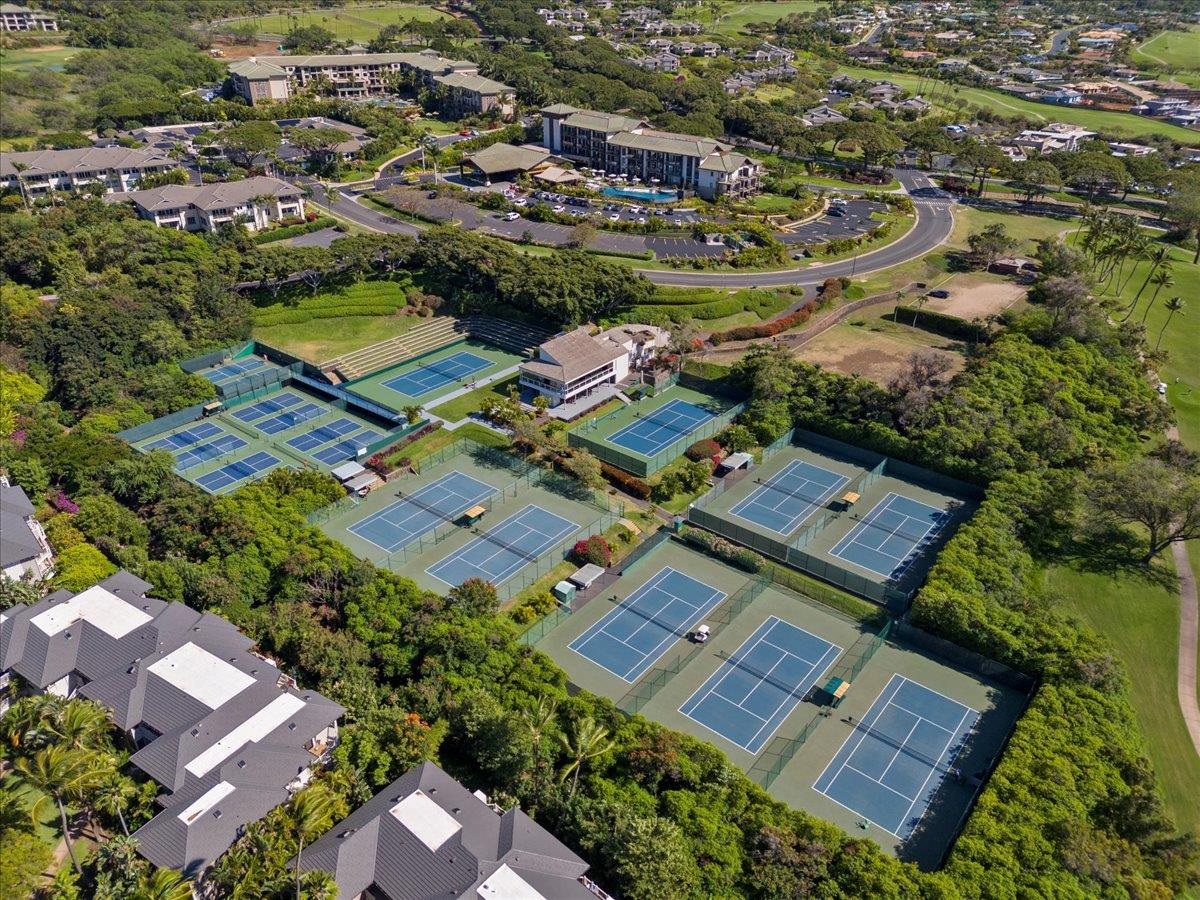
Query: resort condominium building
point(22, 18)
point(625, 145)
point(350, 75)
point(38, 172)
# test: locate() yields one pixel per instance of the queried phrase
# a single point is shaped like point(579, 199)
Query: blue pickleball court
point(437, 374)
point(238, 470)
point(889, 768)
point(629, 639)
point(755, 689)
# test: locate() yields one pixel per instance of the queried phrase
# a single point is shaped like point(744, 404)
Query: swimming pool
point(648, 195)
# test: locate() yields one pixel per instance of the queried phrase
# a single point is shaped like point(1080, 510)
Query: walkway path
point(1189, 634)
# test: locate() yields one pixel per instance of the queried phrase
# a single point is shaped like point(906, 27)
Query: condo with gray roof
point(425, 835)
point(226, 734)
point(38, 172)
point(623, 145)
point(24, 550)
point(357, 75)
point(255, 202)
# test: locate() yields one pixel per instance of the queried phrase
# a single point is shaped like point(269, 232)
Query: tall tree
point(587, 740)
point(242, 143)
point(1163, 499)
point(62, 775)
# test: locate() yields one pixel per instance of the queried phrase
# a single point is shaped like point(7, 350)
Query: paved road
point(1059, 42)
point(934, 223)
point(935, 220)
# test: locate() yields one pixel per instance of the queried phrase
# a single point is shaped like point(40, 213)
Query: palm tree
point(1174, 305)
point(588, 740)
point(1162, 280)
point(1158, 258)
point(61, 774)
point(26, 726)
point(540, 718)
point(14, 814)
point(311, 813)
point(112, 796)
point(164, 884)
point(921, 301)
point(81, 725)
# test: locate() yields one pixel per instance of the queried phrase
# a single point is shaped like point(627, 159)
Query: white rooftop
point(201, 675)
point(96, 606)
point(206, 801)
point(505, 884)
point(431, 824)
point(254, 729)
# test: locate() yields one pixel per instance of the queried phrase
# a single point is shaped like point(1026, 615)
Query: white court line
point(382, 514)
point(933, 769)
point(886, 787)
point(861, 733)
point(627, 607)
point(808, 679)
point(773, 482)
point(735, 660)
point(853, 537)
point(519, 563)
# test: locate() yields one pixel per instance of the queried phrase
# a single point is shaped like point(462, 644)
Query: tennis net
point(907, 749)
point(815, 499)
point(445, 515)
point(924, 529)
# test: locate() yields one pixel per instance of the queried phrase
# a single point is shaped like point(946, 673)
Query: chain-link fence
point(660, 676)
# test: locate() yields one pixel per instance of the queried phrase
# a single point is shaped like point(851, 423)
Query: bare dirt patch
point(231, 50)
point(977, 296)
point(875, 351)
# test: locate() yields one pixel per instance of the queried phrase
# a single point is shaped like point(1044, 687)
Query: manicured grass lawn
point(1179, 49)
point(461, 407)
point(354, 23)
point(444, 437)
point(51, 57)
point(320, 339)
point(1117, 123)
point(738, 15)
point(1141, 618)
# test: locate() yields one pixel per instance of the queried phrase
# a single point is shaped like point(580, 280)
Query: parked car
point(559, 208)
point(466, 132)
point(615, 217)
point(511, 216)
point(940, 293)
point(521, 202)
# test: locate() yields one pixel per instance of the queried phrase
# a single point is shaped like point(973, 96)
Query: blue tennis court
point(437, 374)
point(218, 446)
point(273, 404)
point(651, 433)
point(755, 690)
point(234, 370)
point(330, 431)
point(631, 637)
point(347, 449)
point(891, 536)
point(238, 470)
point(889, 768)
point(502, 551)
point(790, 496)
point(290, 418)
point(421, 511)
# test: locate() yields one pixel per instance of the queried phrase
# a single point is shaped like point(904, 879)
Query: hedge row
point(942, 323)
point(766, 329)
point(726, 550)
point(289, 231)
point(626, 482)
point(718, 310)
point(296, 316)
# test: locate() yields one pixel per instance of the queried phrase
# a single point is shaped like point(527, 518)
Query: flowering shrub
point(63, 503)
point(594, 550)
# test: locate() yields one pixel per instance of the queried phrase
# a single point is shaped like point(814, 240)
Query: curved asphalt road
point(935, 220)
